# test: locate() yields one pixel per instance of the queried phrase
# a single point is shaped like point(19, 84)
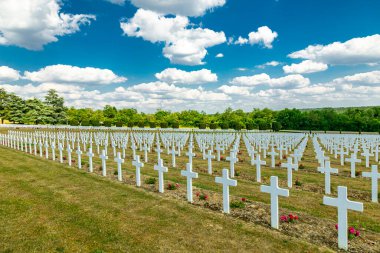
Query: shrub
point(202, 196)
point(202, 126)
point(94, 122)
point(289, 218)
point(152, 124)
point(107, 123)
point(173, 186)
point(175, 125)
point(130, 124)
point(298, 183)
point(141, 124)
point(237, 204)
point(74, 122)
point(115, 172)
point(150, 180)
point(85, 122)
point(164, 124)
point(213, 125)
point(301, 166)
point(119, 124)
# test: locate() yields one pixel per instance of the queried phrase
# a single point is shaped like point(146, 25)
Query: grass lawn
point(48, 207)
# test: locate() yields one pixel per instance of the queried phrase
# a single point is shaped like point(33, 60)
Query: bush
point(175, 125)
point(164, 124)
point(276, 126)
point(107, 123)
point(130, 124)
point(150, 180)
point(141, 124)
point(152, 124)
point(94, 122)
point(173, 186)
point(85, 122)
point(224, 126)
point(73, 122)
point(119, 124)
point(202, 126)
point(213, 125)
point(237, 204)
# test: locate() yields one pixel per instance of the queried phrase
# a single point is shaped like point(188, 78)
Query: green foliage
point(107, 123)
point(164, 124)
point(150, 180)
point(276, 126)
point(237, 204)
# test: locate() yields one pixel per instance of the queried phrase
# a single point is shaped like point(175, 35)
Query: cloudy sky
point(185, 54)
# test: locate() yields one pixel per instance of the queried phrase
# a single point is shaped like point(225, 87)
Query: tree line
point(51, 110)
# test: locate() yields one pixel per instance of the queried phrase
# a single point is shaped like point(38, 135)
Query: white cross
point(190, 154)
point(79, 153)
point(366, 154)
point(69, 154)
point(258, 164)
point(60, 148)
point(145, 153)
point(341, 154)
point(90, 156)
point(232, 158)
point(218, 149)
point(353, 160)
point(104, 157)
point(226, 182)
point(119, 161)
point(327, 170)
point(209, 156)
point(161, 169)
point(289, 166)
point(343, 205)
point(40, 146)
point(138, 166)
point(158, 150)
point(274, 192)
point(189, 174)
point(174, 152)
point(273, 155)
point(375, 176)
point(53, 150)
point(46, 150)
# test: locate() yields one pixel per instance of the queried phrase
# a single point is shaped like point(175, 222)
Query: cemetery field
point(49, 207)
point(63, 207)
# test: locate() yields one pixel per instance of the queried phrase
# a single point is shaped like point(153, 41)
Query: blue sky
point(165, 54)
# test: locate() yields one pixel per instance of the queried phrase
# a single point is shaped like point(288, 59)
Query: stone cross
point(119, 161)
point(274, 192)
point(53, 150)
point(226, 182)
point(79, 153)
point(366, 154)
point(258, 162)
point(161, 169)
point(60, 148)
point(69, 154)
point(353, 160)
point(90, 156)
point(327, 170)
point(218, 149)
point(46, 150)
point(40, 146)
point(138, 166)
point(289, 166)
point(146, 152)
point(343, 205)
point(158, 150)
point(173, 152)
point(189, 174)
point(273, 155)
point(375, 176)
point(233, 159)
point(104, 157)
point(209, 156)
point(190, 154)
point(341, 154)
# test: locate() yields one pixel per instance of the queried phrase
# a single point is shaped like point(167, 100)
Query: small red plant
point(243, 199)
point(173, 186)
point(352, 232)
point(289, 218)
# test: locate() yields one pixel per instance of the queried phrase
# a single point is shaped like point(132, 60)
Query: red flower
point(296, 217)
point(283, 218)
point(357, 233)
point(177, 185)
point(243, 199)
point(206, 197)
point(351, 230)
point(197, 194)
point(336, 226)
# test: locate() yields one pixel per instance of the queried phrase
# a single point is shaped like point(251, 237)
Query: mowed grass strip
point(48, 207)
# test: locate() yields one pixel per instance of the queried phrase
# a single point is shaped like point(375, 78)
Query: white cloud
point(264, 36)
point(177, 76)
point(364, 79)
point(365, 50)
point(33, 24)
point(183, 45)
point(72, 74)
point(8, 74)
point(220, 55)
point(305, 67)
point(268, 64)
point(118, 2)
point(234, 90)
point(290, 81)
point(179, 7)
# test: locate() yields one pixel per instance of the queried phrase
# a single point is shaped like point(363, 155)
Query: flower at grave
point(243, 199)
point(222, 158)
point(283, 218)
point(203, 196)
point(197, 194)
point(336, 226)
point(301, 166)
point(289, 218)
point(177, 185)
point(172, 186)
point(357, 233)
point(64, 158)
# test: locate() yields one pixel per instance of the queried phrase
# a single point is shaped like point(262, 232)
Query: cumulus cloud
point(73, 74)
point(183, 45)
point(264, 36)
point(364, 79)
point(365, 50)
point(118, 2)
point(8, 74)
point(33, 24)
point(177, 76)
point(234, 90)
point(220, 55)
point(268, 64)
point(305, 67)
point(290, 81)
point(179, 7)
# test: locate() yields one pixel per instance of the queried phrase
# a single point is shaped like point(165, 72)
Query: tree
point(3, 100)
point(15, 109)
point(37, 112)
point(109, 112)
point(276, 126)
point(57, 112)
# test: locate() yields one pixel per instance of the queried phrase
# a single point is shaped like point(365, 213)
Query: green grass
point(48, 207)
